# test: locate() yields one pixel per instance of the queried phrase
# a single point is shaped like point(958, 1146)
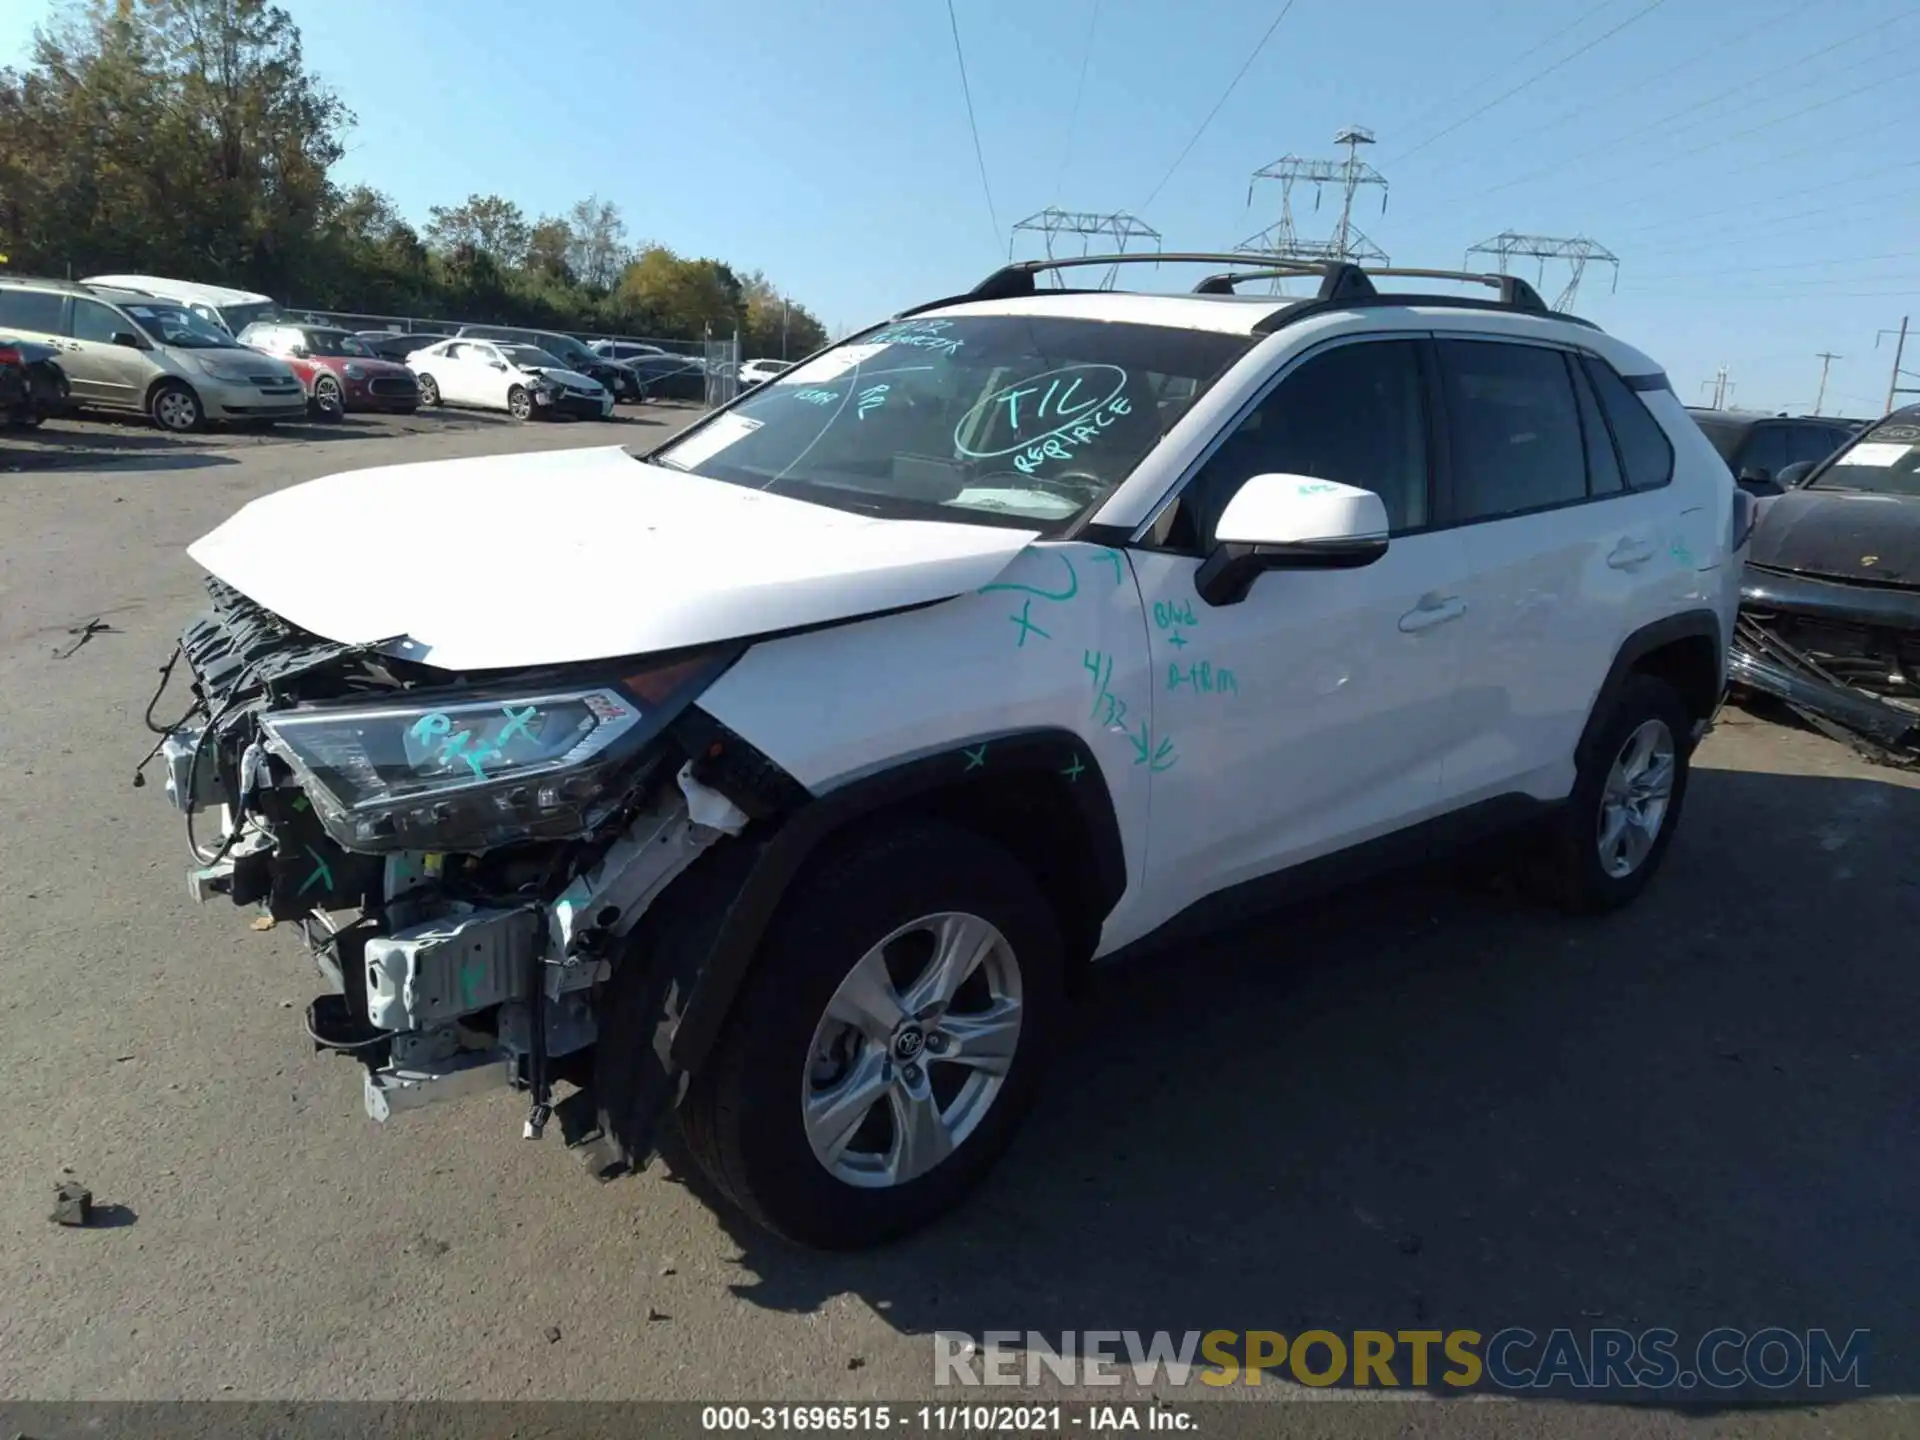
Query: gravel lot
point(1422, 1106)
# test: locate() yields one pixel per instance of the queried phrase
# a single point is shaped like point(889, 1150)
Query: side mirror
point(1791, 476)
point(1290, 522)
point(1758, 481)
point(129, 339)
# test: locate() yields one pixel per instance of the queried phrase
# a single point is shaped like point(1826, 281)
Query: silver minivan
point(131, 352)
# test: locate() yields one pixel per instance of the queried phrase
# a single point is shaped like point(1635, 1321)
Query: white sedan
point(522, 380)
point(758, 372)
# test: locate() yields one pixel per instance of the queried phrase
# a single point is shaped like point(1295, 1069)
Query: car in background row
point(397, 344)
point(1758, 446)
point(619, 380)
point(123, 351)
point(758, 372)
point(522, 380)
point(672, 377)
point(32, 384)
point(232, 310)
point(625, 349)
point(338, 369)
point(1830, 596)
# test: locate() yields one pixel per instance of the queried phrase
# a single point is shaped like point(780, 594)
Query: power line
point(1073, 116)
point(1755, 30)
point(1782, 119)
point(1791, 265)
point(1471, 116)
point(1528, 54)
point(1744, 87)
point(1822, 215)
point(1180, 159)
point(973, 125)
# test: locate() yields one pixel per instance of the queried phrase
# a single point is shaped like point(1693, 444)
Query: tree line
point(189, 138)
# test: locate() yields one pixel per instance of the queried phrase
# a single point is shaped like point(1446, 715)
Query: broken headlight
point(461, 773)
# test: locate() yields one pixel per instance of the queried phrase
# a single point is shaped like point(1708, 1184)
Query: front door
point(102, 371)
point(1319, 711)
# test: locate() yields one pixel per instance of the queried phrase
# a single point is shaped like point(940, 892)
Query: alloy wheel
point(913, 1050)
point(177, 410)
point(1634, 803)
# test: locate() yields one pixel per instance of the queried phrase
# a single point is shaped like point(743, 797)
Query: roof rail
point(1342, 284)
point(52, 282)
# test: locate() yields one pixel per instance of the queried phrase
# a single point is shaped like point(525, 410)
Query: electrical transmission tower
point(1577, 252)
point(1119, 227)
point(1283, 241)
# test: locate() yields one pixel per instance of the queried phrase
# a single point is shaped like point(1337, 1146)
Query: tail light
point(9, 355)
point(1744, 511)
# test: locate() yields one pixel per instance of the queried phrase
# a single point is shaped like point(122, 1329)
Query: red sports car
point(339, 370)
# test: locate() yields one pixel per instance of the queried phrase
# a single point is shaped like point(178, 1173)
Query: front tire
point(429, 390)
point(328, 402)
point(888, 1041)
point(520, 403)
point(1609, 839)
point(176, 409)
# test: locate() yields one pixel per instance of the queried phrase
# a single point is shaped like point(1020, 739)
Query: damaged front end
point(468, 855)
point(1842, 655)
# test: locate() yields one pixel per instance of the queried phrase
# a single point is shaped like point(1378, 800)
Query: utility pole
point(1720, 385)
point(1894, 388)
point(1826, 359)
point(1576, 252)
point(1283, 242)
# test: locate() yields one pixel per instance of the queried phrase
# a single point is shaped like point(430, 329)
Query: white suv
point(795, 771)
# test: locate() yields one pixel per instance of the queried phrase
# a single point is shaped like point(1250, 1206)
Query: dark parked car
point(1757, 446)
point(625, 349)
point(617, 377)
point(672, 377)
point(393, 345)
point(32, 384)
point(1830, 603)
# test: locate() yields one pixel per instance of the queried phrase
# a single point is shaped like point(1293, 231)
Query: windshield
point(1011, 419)
point(337, 342)
point(531, 356)
point(238, 317)
point(1883, 461)
point(572, 351)
point(176, 325)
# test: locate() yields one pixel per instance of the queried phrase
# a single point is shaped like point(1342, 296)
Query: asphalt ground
point(1423, 1105)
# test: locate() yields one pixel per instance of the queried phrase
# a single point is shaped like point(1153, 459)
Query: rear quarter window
point(36, 310)
point(1646, 455)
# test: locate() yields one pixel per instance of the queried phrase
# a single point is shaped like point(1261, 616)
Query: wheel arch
point(1686, 650)
point(1039, 793)
point(161, 382)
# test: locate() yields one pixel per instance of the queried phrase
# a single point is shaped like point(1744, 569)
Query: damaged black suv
point(1830, 605)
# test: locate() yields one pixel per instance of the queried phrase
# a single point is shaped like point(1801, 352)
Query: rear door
point(1558, 550)
point(103, 370)
point(39, 315)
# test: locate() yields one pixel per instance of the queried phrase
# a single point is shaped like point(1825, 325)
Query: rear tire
point(949, 1082)
point(1607, 842)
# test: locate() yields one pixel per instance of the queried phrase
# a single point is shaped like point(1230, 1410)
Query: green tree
point(597, 248)
point(548, 245)
point(773, 325)
point(487, 224)
point(686, 296)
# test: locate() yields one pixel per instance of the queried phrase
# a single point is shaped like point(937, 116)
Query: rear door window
point(94, 322)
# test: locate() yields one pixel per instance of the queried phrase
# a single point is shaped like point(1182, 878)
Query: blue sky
point(828, 144)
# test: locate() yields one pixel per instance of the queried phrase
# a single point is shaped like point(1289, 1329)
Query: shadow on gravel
point(1414, 1107)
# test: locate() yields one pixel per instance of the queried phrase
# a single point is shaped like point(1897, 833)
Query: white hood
point(515, 560)
point(565, 377)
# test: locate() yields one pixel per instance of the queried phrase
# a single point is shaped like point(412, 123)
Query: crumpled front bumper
point(1844, 657)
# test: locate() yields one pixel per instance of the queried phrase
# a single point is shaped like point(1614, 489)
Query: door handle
point(1431, 611)
point(1629, 553)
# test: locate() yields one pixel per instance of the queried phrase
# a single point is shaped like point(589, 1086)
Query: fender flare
point(1701, 624)
point(1035, 753)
